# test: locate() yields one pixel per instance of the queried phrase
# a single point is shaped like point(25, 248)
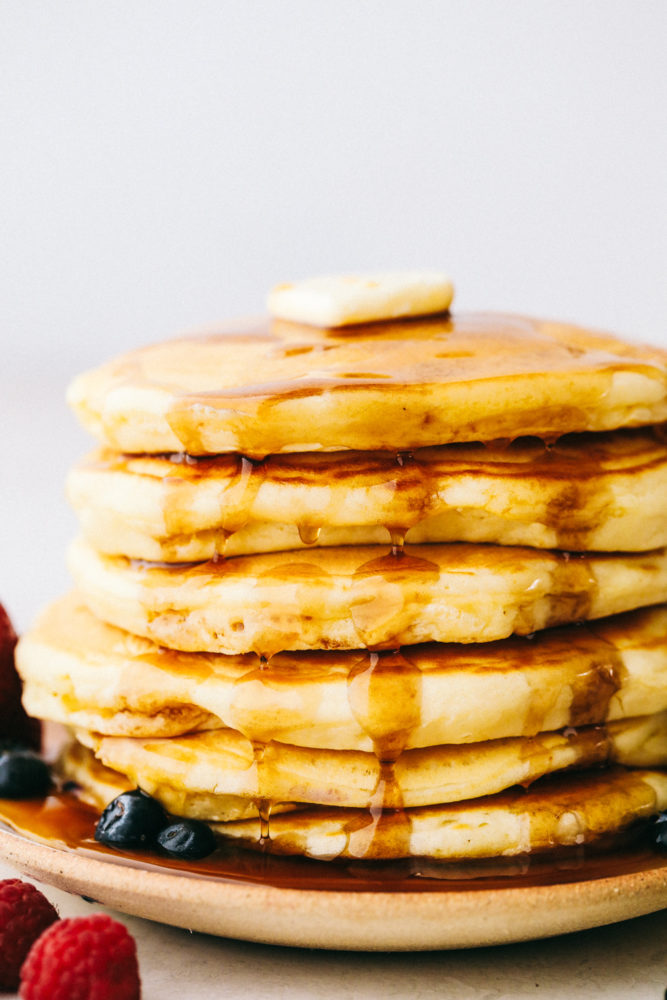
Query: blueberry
point(23, 774)
point(659, 833)
point(133, 819)
point(189, 839)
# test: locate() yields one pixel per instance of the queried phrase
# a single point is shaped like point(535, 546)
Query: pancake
point(346, 598)
point(602, 492)
point(565, 810)
point(78, 671)
point(95, 783)
point(99, 785)
point(260, 387)
point(193, 775)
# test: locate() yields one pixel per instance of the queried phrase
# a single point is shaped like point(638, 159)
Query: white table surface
point(628, 960)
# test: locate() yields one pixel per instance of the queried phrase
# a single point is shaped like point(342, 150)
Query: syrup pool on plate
point(63, 821)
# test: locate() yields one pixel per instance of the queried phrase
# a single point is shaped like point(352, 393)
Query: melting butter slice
point(341, 300)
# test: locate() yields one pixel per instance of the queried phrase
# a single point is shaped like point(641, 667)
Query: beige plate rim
point(359, 921)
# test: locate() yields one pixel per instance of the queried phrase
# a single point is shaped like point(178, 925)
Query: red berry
point(14, 723)
point(24, 914)
point(82, 958)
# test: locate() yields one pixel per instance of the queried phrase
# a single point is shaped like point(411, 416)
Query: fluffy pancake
point(81, 672)
point(98, 784)
point(585, 492)
point(565, 811)
point(193, 775)
point(346, 598)
point(559, 811)
point(262, 388)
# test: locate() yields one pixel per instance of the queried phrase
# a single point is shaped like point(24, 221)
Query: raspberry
point(24, 914)
point(82, 958)
point(14, 723)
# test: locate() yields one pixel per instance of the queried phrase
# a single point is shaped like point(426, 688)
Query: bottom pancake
point(559, 812)
point(565, 810)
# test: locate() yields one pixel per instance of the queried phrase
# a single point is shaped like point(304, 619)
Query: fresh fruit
point(82, 958)
point(132, 819)
point(14, 723)
point(24, 914)
point(188, 839)
point(23, 773)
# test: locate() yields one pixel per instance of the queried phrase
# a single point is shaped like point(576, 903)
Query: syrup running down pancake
point(587, 492)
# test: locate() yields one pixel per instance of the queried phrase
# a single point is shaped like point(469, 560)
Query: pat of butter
point(340, 300)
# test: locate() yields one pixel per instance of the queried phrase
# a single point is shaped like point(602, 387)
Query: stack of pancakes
point(379, 589)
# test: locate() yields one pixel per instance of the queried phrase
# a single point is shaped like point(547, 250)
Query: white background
point(164, 163)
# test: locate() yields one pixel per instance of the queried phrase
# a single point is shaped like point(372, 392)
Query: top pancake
point(265, 387)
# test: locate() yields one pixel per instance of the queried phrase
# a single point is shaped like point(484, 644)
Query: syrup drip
point(384, 691)
point(397, 536)
point(237, 479)
point(309, 533)
point(384, 694)
point(573, 592)
point(263, 804)
point(603, 677)
point(264, 809)
point(385, 821)
point(387, 594)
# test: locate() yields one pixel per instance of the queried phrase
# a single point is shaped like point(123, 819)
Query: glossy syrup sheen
point(64, 822)
point(293, 360)
point(406, 355)
point(372, 387)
